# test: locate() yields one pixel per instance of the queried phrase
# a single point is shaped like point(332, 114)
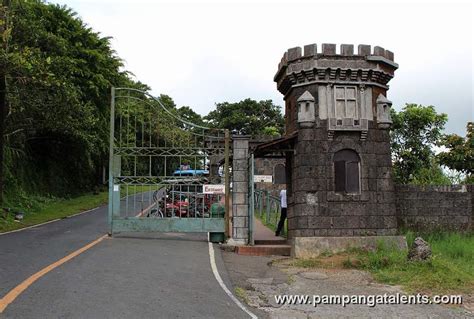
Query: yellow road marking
point(15, 292)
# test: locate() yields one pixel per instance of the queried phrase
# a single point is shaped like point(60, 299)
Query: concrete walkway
point(262, 232)
point(265, 243)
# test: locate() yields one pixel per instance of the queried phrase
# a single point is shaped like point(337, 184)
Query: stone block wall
point(435, 207)
point(266, 166)
point(315, 209)
point(240, 229)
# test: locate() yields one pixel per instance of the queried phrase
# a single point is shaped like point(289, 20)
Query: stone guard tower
point(340, 189)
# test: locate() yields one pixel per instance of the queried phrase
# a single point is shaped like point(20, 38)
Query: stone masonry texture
point(429, 208)
point(314, 207)
point(421, 208)
point(240, 174)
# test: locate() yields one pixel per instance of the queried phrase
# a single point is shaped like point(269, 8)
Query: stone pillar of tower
point(341, 182)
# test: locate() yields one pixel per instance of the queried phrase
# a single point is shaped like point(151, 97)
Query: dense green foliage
point(431, 174)
point(59, 74)
point(187, 114)
point(415, 132)
point(248, 117)
point(460, 153)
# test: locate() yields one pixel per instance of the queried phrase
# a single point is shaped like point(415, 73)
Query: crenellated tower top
point(308, 65)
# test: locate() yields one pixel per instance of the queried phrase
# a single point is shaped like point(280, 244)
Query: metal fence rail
point(267, 206)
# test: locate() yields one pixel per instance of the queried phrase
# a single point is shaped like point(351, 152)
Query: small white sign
point(116, 188)
point(213, 189)
point(262, 178)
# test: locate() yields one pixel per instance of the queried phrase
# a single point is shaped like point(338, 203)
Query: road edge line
point(29, 227)
point(15, 292)
point(222, 284)
point(61, 218)
point(51, 221)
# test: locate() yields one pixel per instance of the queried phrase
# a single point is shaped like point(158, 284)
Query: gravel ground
point(263, 279)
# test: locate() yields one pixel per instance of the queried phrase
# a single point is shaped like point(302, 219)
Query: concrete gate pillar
point(240, 173)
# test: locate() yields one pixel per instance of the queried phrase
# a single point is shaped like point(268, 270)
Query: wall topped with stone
point(435, 207)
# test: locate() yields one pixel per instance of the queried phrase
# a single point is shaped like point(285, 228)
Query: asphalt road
point(159, 276)
point(132, 205)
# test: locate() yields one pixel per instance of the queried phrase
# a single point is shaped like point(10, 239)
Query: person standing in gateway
point(283, 205)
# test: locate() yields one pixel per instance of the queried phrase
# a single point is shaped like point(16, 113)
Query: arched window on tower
point(279, 174)
point(347, 171)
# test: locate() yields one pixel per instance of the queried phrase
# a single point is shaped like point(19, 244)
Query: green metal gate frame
point(146, 140)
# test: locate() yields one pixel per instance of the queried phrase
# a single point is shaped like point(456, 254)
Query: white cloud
point(203, 53)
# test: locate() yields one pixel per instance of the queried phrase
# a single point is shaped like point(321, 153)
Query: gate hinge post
point(227, 182)
point(111, 159)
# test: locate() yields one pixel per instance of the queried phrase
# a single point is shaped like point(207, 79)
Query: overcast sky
point(204, 53)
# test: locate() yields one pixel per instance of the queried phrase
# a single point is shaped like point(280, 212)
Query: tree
point(59, 74)
point(248, 117)
point(4, 36)
point(415, 131)
point(431, 174)
point(187, 114)
point(460, 152)
point(167, 101)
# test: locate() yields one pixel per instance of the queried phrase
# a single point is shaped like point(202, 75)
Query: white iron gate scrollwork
point(159, 164)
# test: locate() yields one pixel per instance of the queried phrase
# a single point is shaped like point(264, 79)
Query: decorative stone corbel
point(384, 119)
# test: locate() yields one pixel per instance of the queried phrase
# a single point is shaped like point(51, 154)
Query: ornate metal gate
point(161, 168)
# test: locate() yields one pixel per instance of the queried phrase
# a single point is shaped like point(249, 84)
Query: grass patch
point(241, 293)
point(291, 279)
point(307, 263)
point(326, 261)
point(135, 189)
point(39, 209)
point(451, 269)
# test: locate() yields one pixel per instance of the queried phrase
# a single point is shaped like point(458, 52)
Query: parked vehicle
point(182, 200)
point(191, 172)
